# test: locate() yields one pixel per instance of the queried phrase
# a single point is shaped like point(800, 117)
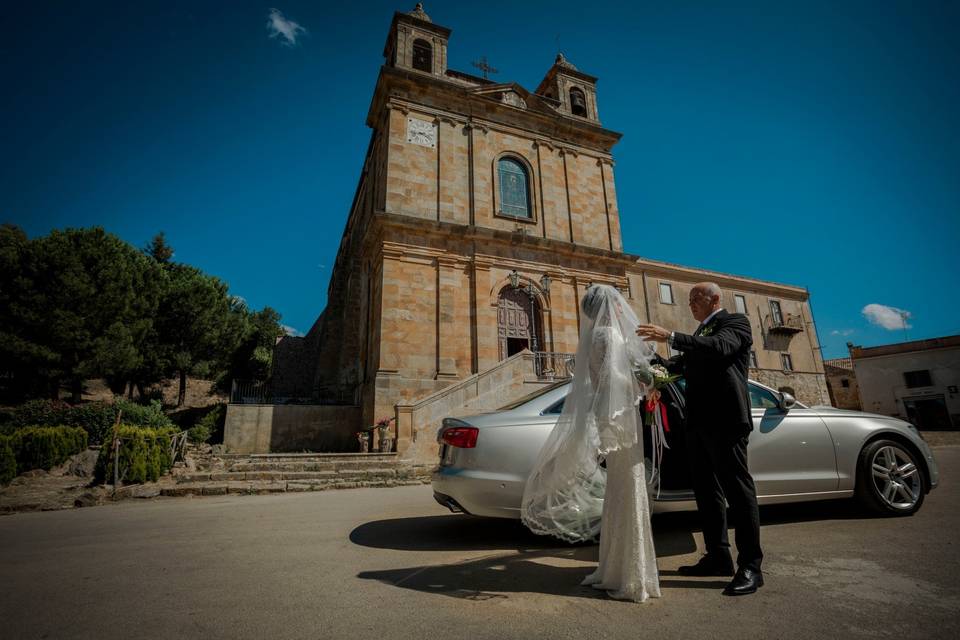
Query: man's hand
point(653, 332)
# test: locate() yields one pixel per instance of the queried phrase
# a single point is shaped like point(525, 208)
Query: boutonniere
point(706, 331)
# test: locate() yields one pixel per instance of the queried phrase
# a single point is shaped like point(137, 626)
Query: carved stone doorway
point(519, 324)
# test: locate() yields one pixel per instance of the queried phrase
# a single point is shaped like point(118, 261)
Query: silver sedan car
point(796, 454)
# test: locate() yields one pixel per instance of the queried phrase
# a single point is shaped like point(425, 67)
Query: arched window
point(578, 102)
point(514, 188)
point(422, 55)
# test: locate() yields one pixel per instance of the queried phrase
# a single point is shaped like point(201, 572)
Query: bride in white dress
point(569, 494)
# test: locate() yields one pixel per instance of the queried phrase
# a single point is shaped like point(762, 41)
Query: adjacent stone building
point(842, 383)
point(482, 213)
point(917, 380)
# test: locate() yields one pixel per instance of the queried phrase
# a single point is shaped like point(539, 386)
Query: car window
point(760, 398)
point(555, 409)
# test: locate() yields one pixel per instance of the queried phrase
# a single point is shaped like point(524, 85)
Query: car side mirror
point(787, 401)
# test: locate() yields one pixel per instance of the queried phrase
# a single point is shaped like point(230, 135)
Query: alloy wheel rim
point(896, 477)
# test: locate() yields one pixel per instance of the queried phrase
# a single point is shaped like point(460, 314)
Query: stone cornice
point(509, 238)
point(725, 280)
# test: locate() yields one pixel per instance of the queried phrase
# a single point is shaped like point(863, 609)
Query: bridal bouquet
point(655, 414)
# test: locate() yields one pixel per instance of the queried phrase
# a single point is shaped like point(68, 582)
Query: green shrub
point(149, 416)
point(144, 455)
point(46, 447)
point(209, 425)
point(8, 461)
point(96, 418)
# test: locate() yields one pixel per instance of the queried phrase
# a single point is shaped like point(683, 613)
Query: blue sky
point(811, 143)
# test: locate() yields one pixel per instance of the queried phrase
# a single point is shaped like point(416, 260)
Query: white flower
point(659, 371)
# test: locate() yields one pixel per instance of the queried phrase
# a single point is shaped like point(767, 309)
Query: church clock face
point(421, 132)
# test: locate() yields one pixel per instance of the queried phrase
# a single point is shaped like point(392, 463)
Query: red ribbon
point(654, 404)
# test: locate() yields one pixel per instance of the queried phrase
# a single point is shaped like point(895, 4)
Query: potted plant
point(363, 440)
point(383, 432)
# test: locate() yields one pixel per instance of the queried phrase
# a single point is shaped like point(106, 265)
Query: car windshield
point(532, 396)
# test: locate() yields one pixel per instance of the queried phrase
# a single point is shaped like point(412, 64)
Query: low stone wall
point(808, 388)
point(268, 428)
point(417, 422)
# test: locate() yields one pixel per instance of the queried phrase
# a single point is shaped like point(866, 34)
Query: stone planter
point(386, 443)
point(364, 442)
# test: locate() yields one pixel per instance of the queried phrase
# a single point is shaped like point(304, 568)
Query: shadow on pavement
point(492, 577)
point(672, 535)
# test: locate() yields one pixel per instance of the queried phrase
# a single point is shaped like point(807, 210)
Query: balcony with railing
point(787, 324)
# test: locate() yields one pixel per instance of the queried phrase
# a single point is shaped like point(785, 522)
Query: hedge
point(44, 447)
point(8, 461)
point(144, 456)
point(96, 418)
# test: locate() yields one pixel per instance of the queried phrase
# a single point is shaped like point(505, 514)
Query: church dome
point(562, 61)
point(419, 13)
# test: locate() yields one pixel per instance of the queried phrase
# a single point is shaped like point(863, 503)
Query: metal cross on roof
point(483, 66)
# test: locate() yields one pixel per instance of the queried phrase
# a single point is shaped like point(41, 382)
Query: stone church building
point(482, 213)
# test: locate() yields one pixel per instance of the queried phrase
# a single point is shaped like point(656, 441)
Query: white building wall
point(883, 387)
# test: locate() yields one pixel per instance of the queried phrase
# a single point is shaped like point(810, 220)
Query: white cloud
point(842, 332)
point(887, 317)
point(279, 26)
point(290, 331)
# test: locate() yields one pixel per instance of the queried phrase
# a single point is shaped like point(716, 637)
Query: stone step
point(296, 476)
point(265, 487)
point(312, 465)
point(305, 457)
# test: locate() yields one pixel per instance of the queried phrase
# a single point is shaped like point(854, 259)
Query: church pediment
point(514, 95)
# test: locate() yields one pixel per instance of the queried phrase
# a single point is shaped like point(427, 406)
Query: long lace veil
point(563, 495)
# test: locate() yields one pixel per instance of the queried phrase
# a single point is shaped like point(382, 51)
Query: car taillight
point(463, 437)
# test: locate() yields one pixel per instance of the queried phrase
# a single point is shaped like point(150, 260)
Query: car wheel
point(889, 479)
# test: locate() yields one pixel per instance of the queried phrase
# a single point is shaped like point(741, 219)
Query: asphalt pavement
point(372, 564)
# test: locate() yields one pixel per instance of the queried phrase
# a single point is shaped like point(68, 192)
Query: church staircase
point(293, 472)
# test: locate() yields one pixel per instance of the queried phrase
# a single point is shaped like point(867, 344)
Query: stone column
point(447, 281)
point(485, 317)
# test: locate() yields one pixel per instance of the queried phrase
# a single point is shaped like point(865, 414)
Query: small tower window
point(514, 188)
point(422, 55)
point(578, 102)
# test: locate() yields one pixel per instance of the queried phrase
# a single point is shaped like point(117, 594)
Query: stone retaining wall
point(267, 428)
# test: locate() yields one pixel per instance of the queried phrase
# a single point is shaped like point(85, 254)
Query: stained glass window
point(514, 189)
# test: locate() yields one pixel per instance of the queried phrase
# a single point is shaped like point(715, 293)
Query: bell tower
point(414, 43)
point(574, 92)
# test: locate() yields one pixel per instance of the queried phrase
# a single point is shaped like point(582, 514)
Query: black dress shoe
point(708, 565)
point(746, 581)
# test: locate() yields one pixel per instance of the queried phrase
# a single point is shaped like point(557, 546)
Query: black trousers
point(720, 476)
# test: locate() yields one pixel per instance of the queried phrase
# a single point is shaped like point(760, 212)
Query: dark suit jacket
point(715, 367)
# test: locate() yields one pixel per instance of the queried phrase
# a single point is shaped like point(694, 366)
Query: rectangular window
point(916, 379)
point(753, 360)
point(776, 312)
point(787, 361)
point(741, 303)
point(666, 293)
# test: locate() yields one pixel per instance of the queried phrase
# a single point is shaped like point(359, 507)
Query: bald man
point(714, 361)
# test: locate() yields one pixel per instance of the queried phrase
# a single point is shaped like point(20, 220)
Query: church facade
point(483, 212)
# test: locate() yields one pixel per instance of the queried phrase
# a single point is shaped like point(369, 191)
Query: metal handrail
point(553, 366)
